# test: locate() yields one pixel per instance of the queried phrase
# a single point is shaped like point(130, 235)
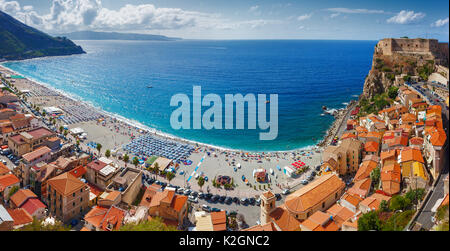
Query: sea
point(115, 76)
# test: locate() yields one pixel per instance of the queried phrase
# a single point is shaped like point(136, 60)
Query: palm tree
point(107, 153)
point(170, 176)
point(61, 129)
point(99, 147)
point(126, 158)
point(135, 161)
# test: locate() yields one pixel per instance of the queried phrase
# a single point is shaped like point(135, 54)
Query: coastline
point(139, 126)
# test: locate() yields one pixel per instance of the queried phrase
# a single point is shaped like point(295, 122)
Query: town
point(385, 168)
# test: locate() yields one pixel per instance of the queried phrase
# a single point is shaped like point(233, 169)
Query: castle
point(428, 48)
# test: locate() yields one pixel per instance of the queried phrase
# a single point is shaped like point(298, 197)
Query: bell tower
point(267, 206)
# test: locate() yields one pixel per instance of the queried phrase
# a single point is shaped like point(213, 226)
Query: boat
point(267, 101)
point(271, 171)
point(149, 86)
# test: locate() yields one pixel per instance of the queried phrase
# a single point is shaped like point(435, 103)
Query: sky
point(240, 19)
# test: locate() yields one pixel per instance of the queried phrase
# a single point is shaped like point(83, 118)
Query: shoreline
point(139, 126)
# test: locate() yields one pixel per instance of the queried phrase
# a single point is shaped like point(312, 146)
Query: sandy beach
point(113, 133)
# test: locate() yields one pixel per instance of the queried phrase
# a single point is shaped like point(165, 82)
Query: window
point(73, 194)
point(335, 196)
point(323, 204)
point(81, 190)
point(81, 199)
point(73, 203)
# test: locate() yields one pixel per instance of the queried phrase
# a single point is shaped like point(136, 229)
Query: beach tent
point(76, 131)
point(289, 171)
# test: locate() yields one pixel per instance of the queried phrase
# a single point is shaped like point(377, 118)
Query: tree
point(369, 221)
point(126, 158)
point(39, 225)
point(13, 190)
point(170, 176)
point(375, 176)
point(135, 161)
point(393, 92)
point(107, 153)
point(399, 202)
point(99, 147)
point(201, 182)
point(155, 224)
point(65, 133)
point(384, 206)
point(415, 195)
point(78, 142)
point(156, 167)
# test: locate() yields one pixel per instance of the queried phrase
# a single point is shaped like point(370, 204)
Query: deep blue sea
point(306, 75)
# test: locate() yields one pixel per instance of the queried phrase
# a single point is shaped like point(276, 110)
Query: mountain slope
point(92, 35)
point(19, 41)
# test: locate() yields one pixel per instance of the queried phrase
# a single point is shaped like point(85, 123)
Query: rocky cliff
point(394, 65)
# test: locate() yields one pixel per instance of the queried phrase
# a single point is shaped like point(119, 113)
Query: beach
point(114, 132)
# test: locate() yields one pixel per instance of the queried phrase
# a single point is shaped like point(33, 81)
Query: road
point(424, 217)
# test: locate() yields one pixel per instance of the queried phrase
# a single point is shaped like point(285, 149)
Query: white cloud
point(335, 15)
point(72, 15)
point(406, 17)
point(355, 11)
point(304, 17)
point(301, 27)
point(440, 22)
point(254, 8)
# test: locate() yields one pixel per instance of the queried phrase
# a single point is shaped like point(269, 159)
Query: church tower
point(267, 206)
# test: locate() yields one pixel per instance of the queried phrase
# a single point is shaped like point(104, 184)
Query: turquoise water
point(305, 74)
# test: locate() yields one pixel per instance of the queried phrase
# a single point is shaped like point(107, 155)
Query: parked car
point(201, 195)
point(187, 192)
point(304, 182)
point(215, 198)
point(214, 209)
point(208, 196)
point(192, 199)
point(228, 200)
point(235, 199)
point(258, 202)
point(222, 199)
point(194, 193)
point(180, 190)
point(252, 201)
point(286, 191)
point(206, 208)
point(244, 201)
point(278, 196)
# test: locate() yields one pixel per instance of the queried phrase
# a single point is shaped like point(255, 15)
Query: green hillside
point(19, 41)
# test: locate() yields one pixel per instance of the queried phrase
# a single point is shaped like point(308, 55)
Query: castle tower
point(267, 206)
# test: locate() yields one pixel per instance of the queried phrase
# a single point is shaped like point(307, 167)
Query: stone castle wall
point(418, 46)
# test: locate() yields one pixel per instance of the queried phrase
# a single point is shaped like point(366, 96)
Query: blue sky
point(240, 19)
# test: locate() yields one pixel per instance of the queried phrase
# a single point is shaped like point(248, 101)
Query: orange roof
point(19, 197)
point(373, 201)
point(411, 154)
point(391, 154)
point(268, 195)
point(360, 129)
point(408, 117)
point(78, 171)
point(266, 227)
point(320, 221)
point(340, 214)
point(4, 169)
point(360, 188)
point(348, 135)
point(374, 135)
point(313, 193)
point(8, 180)
point(397, 141)
point(66, 183)
point(416, 141)
point(105, 218)
point(112, 196)
point(284, 220)
point(352, 199)
point(364, 170)
point(20, 216)
point(178, 202)
point(437, 137)
point(219, 221)
point(371, 146)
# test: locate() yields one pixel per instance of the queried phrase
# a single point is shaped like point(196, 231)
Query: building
point(7, 182)
point(214, 221)
point(21, 217)
point(347, 155)
point(319, 221)
point(165, 204)
point(128, 182)
point(41, 154)
point(6, 221)
point(104, 218)
point(29, 201)
point(373, 202)
point(67, 196)
point(427, 48)
point(26, 142)
point(390, 176)
point(100, 173)
point(364, 170)
point(319, 195)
